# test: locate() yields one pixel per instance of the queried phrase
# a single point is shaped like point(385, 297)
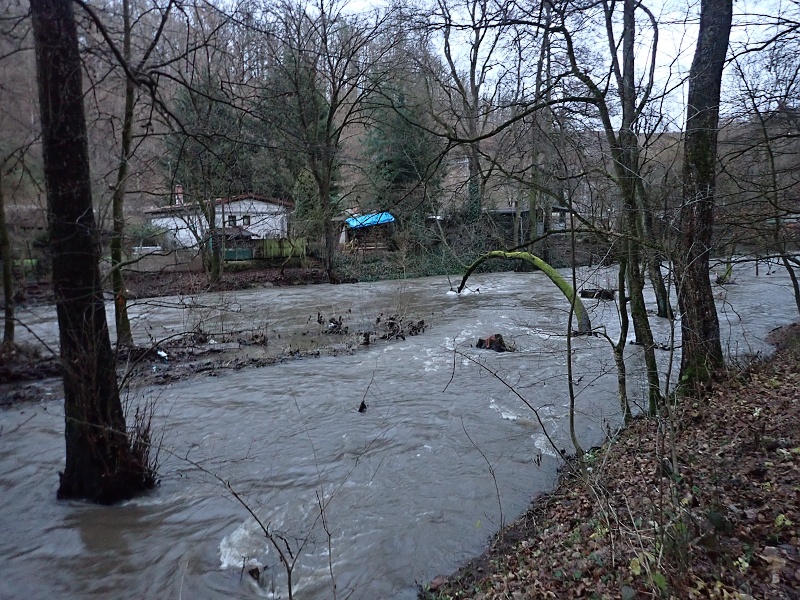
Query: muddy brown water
point(407, 488)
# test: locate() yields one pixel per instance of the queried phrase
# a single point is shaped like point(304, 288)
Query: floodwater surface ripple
point(446, 451)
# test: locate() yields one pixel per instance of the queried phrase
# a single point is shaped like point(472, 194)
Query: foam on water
point(543, 445)
point(505, 413)
point(242, 545)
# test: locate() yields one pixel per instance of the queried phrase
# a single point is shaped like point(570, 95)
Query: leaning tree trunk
point(584, 322)
point(790, 268)
point(100, 463)
point(701, 347)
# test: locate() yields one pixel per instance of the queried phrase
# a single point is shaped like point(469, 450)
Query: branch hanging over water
point(584, 324)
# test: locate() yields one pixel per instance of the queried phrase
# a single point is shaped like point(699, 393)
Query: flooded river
point(369, 504)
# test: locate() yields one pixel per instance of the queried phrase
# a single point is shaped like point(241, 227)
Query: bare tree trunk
point(8, 275)
point(100, 463)
point(779, 241)
point(538, 201)
point(663, 307)
point(653, 255)
point(790, 268)
point(328, 226)
point(215, 239)
point(619, 347)
point(702, 351)
point(627, 168)
point(474, 184)
point(124, 335)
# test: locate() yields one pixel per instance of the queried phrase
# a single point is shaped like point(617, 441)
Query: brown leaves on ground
point(142, 284)
point(145, 284)
point(722, 524)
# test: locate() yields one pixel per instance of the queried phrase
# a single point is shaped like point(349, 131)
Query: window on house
point(231, 220)
point(246, 221)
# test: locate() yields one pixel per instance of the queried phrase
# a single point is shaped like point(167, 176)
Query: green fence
point(238, 253)
point(23, 267)
point(282, 248)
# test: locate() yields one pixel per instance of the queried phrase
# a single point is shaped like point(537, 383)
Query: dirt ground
point(143, 285)
point(146, 285)
point(29, 374)
point(722, 523)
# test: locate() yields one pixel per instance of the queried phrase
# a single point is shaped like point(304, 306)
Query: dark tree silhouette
point(101, 464)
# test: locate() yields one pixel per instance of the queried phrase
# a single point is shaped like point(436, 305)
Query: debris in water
point(336, 326)
point(362, 408)
point(598, 293)
point(494, 342)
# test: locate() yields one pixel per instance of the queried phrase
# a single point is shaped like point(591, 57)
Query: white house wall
point(186, 230)
point(267, 220)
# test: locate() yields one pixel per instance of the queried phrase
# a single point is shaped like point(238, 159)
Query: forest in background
point(469, 121)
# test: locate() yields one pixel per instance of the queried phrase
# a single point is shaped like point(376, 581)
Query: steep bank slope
point(724, 524)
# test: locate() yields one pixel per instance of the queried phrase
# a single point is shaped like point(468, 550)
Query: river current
point(370, 503)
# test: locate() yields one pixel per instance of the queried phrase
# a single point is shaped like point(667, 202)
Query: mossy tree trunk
point(701, 346)
point(584, 323)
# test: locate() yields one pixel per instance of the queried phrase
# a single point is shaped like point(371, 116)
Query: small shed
point(239, 243)
point(367, 232)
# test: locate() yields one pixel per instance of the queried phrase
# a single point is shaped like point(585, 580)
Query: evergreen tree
point(212, 151)
point(405, 158)
point(294, 114)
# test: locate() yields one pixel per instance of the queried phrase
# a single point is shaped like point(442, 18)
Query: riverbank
point(724, 524)
point(143, 284)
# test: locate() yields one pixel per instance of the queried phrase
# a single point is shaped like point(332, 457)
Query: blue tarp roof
point(369, 220)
